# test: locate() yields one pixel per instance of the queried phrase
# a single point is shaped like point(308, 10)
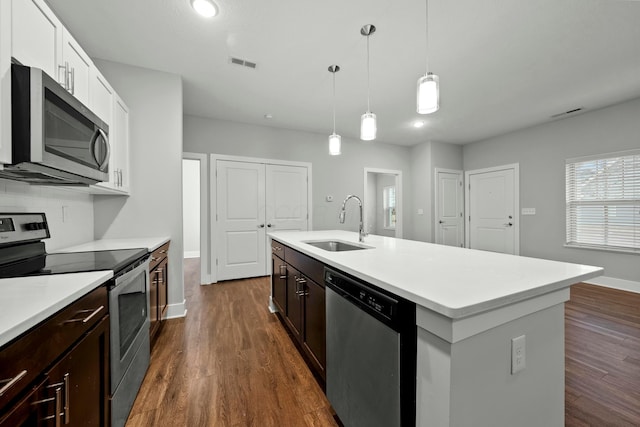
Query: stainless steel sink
point(336, 245)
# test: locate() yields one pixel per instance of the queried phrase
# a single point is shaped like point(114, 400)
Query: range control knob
point(33, 226)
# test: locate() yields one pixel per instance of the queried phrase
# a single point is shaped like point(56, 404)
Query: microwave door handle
point(105, 138)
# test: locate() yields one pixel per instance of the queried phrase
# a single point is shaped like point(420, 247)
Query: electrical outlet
point(518, 354)
point(329, 198)
point(528, 211)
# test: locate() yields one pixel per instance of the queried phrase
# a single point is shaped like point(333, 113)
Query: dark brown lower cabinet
point(279, 282)
point(30, 410)
point(301, 302)
point(83, 378)
point(158, 289)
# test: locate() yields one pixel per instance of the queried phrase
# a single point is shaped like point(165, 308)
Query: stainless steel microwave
point(56, 140)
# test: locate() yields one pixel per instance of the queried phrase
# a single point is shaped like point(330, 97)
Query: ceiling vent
point(566, 113)
point(243, 62)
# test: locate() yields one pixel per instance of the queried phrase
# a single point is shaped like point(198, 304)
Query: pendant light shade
point(335, 140)
point(335, 144)
point(428, 94)
point(368, 121)
point(368, 126)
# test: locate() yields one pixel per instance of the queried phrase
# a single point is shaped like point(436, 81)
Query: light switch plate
point(518, 356)
point(528, 211)
point(420, 212)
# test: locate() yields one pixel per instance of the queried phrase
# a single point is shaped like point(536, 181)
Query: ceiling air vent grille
point(243, 62)
point(566, 113)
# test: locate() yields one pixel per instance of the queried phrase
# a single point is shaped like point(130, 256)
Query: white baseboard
point(192, 254)
point(612, 282)
point(177, 310)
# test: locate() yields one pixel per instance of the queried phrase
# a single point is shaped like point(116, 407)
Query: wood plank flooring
point(602, 357)
point(230, 362)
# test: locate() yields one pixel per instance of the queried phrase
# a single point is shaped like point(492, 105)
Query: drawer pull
point(67, 417)
point(163, 251)
point(283, 274)
point(11, 382)
point(89, 317)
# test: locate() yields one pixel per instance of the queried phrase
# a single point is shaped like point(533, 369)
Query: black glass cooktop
point(75, 262)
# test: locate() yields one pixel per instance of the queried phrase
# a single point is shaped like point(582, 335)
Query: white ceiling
point(503, 65)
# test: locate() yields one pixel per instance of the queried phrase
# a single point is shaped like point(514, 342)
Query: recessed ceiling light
point(206, 8)
point(418, 123)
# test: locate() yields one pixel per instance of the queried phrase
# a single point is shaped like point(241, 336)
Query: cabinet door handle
point(67, 86)
point(73, 80)
point(11, 382)
point(67, 405)
point(283, 275)
point(86, 319)
point(58, 407)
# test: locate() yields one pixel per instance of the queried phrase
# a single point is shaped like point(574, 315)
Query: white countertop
point(27, 301)
point(454, 282)
point(150, 243)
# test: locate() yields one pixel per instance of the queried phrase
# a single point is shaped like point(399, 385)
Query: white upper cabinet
point(76, 68)
point(106, 103)
point(5, 82)
point(40, 40)
point(36, 35)
point(121, 134)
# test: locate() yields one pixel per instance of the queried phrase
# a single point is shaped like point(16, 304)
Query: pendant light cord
point(368, 77)
point(427, 33)
point(334, 101)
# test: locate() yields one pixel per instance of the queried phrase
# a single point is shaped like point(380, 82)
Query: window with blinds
point(603, 201)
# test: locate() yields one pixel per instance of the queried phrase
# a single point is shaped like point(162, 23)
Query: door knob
point(261, 226)
point(269, 225)
point(441, 222)
point(509, 224)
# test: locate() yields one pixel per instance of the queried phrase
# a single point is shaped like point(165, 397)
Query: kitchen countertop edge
point(456, 313)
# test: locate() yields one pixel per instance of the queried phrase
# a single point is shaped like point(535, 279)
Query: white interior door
point(286, 197)
point(492, 207)
point(240, 193)
point(449, 208)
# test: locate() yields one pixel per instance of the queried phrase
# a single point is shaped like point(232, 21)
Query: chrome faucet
point(361, 232)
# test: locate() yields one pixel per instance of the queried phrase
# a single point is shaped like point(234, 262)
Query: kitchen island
point(469, 306)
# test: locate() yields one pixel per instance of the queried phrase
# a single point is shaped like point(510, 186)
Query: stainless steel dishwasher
point(371, 353)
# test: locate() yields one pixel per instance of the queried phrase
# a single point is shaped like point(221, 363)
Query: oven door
point(129, 310)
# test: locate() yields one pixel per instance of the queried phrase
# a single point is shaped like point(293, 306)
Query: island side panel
point(481, 389)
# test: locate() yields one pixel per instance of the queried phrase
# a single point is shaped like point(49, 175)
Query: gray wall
point(425, 158)
point(332, 175)
point(154, 99)
point(541, 152)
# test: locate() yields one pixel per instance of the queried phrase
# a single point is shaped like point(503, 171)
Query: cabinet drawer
point(308, 266)
point(158, 255)
point(277, 249)
point(22, 360)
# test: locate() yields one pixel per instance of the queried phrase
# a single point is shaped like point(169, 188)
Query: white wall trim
point(612, 282)
point(175, 311)
point(192, 254)
point(399, 198)
point(205, 266)
point(516, 173)
point(213, 160)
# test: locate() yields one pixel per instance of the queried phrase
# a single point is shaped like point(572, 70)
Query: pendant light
point(368, 125)
point(428, 96)
point(335, 141)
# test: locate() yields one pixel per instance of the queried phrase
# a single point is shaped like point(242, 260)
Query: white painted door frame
point(516, 176)
point(213, 159)
point(436, 203)
point(399, 200)
point(205, 266)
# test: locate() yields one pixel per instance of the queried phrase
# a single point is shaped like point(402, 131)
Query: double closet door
point(251, 200)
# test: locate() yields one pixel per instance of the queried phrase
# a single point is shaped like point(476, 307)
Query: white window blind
point(603, 201)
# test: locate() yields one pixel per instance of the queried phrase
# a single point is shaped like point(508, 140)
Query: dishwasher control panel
point(362, 293)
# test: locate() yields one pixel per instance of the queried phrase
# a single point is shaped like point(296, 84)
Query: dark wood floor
point(230, 362)
point(602, 348)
